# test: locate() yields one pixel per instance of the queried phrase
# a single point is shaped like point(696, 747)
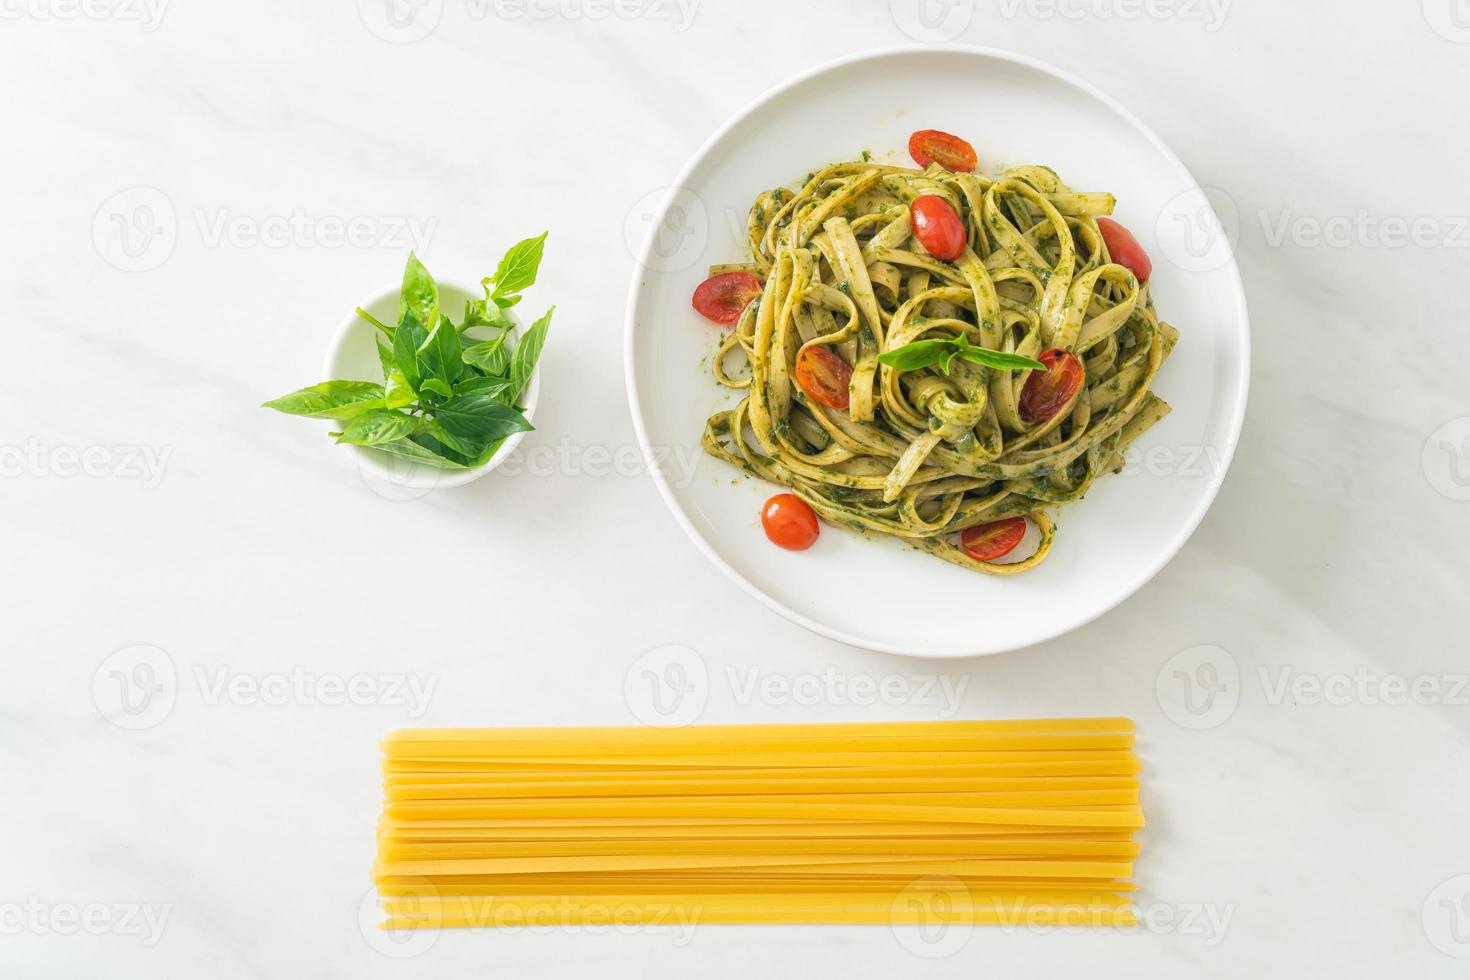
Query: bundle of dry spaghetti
point(1004, 822)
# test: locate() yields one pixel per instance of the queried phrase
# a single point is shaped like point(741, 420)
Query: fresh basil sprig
point(943, 351)
point(447, 398)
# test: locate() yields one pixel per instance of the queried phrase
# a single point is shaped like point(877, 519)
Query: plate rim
point(1186, 528)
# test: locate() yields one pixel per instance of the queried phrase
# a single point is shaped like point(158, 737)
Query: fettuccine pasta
point(927, 452)
point(1006, 822)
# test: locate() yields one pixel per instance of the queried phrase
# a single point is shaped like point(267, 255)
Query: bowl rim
point(1239, 393)
point(423, 477)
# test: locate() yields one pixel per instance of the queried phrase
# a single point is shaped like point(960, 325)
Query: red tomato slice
point(938, 228)
point(825, 376)
point(790, 522)
point(1046, 394)
point(950, 152)
point(721, 298)
point(1124, 248)
point(987, 542)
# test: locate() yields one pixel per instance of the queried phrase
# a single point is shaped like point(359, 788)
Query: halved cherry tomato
point(1046, 394)
point(790, 522)
point(987, 542)
point(824, 376)
point(950, 152)
point(937, 227)
point(1124, 248)
point(721, 298)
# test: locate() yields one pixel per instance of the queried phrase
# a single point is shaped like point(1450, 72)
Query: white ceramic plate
point(877, 593)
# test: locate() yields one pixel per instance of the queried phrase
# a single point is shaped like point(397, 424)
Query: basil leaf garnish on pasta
point(943, 351)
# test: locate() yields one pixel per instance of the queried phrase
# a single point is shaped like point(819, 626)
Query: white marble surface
point(230, 835)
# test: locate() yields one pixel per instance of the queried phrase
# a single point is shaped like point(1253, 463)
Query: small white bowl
point(353, 356)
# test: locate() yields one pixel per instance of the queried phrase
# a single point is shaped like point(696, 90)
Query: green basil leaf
point(420, 294)
point(483, 313)
point(463, 452)
point(439, 354)
point(518, 269)
point(407, 340)
point(431, 442)
point(472, 423)
point(436, 386)
point(943, 351)
point(1000, 360)
point(328, 400)
point(467, 449)
point(387, 330)
point(409, 449)
point(400, 393)
point(489, 356)
point(377, 426)
point(919, 354)
point(497, 388)
point(385, 358)
point(527, 352)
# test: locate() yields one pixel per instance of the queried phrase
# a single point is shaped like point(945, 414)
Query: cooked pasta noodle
point(925, 453)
